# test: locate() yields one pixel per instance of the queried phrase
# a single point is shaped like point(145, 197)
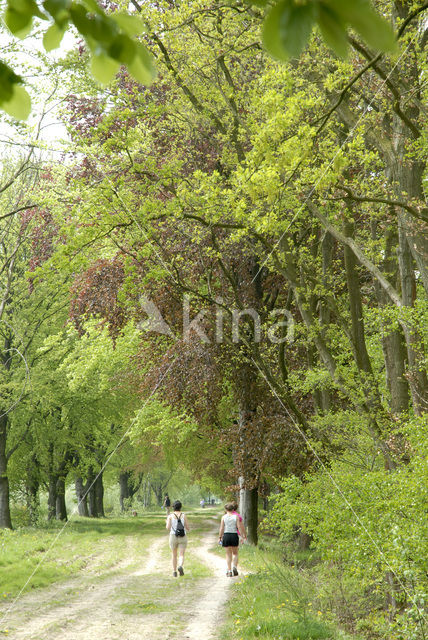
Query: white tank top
point(174, 523)
point(230, 523)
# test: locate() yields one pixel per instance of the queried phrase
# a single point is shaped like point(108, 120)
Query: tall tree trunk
point(368, 386)
point(414, 343)
point(52, 493)
point(60, 507)
point(5, 519)
point(99, 495)
point(124, 488)
point(249, 509)
point(246, 388)
point(32, 498)
point(393, 343)
point(92, 498)
point(82, 498)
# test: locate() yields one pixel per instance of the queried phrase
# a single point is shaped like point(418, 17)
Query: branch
point(369, 65)
point(395, 92)
point(12, 213)
point(420, 215)
point(361, 257)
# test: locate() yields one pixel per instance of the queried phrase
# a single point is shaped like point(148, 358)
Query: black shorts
point(230, 540)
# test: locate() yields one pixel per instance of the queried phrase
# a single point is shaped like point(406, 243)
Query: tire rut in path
point(205, 623)
point(92, 612)
point(85, 617)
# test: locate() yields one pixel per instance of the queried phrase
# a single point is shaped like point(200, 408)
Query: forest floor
point(132, 597)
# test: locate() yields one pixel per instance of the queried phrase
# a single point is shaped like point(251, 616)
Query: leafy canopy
point(112, 39)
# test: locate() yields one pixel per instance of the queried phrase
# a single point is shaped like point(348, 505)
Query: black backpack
point(179, 528)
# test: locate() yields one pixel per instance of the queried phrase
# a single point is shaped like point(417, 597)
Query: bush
point(370, 528)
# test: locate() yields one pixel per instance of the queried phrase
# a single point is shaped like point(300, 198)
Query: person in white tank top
point(231, 527)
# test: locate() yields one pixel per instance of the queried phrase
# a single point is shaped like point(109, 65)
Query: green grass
point(133, 608)
point(54, 552)
point(275, 601)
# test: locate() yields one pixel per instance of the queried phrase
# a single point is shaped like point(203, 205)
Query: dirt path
point(209, 608)
point(136, 598)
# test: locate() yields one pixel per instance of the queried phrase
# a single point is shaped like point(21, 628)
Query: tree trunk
point(52, 490)
point(5, 519)
point(60, 507)
point(158, 491)
point(249, 509)
point(99, 495)
point(414, 343)
point(82, 498)
point(393, 343)
point(92, 498)
point(124, 488)
point(32, 498)
point(246, 388)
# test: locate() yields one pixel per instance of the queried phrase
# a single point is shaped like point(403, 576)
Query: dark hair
point(230, 506)
point(177, 505)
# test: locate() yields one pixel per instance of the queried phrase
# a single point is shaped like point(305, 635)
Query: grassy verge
point(85, 547)
point(276, 601)
point(54, 552)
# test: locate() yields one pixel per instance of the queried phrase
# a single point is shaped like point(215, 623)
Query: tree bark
point(124, 488)
point(246, 388)
point(393, 343)
point(32, 496)
point(60, 507)
point(99, 495)
point(52, 490)
point(249, 509)
point(82, 498)
point(414, 344)
point(92, 498)
point(5, 519)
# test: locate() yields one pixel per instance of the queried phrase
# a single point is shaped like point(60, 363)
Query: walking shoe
point(181, 571)
point(174, 573)
point(234, 571)
point(229, 574)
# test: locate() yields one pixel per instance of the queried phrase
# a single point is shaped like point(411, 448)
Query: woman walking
point(231, 525)
point(167, 504)
point(177, 525)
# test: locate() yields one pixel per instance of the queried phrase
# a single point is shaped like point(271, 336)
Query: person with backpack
point(167, 504)
point(177, 525)
point(231, 527)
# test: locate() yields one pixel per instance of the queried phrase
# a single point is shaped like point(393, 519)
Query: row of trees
point(283, 200)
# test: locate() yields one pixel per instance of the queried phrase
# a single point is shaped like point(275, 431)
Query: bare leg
point(174, 559)
point(229, 558)
point(235, 556)
point(181, 561)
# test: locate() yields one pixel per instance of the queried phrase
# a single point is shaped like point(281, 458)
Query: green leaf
point(141, 67)
point(8, 78)
point(20, 24)
point(333, 30)
point(58, 10)
point(132, 25)
point(80, 19)
point(103, 67)
point(92, 5)
point(52, 38)
point(103, 29)
point(19, 106)
point(375, 30)
point(122, 49)
point(287, 28)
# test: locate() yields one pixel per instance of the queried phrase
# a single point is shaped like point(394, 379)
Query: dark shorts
point(230, 540)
